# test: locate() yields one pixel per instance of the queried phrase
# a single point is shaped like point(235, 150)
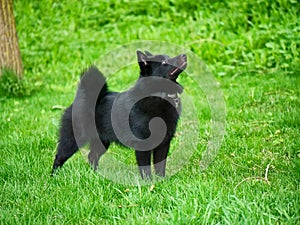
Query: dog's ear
point(148, 53)
point(142, 58)
point(143, 62)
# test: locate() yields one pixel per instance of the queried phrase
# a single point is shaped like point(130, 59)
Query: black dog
point(143, 118)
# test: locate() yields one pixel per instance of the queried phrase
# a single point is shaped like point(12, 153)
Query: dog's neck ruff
point(175, 97)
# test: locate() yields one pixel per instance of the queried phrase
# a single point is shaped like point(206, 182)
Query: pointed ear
point(142, 58)
point(148, 53)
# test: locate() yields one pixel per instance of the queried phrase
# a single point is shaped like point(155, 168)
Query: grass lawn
point(252, 50)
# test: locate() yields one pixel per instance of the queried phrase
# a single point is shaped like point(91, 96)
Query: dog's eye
point(164, 62)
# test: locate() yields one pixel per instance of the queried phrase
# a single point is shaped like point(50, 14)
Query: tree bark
point(10, 56)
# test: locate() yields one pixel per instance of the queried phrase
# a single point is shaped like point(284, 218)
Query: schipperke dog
point(143, 118)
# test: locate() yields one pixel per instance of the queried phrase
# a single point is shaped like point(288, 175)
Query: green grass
point(251, 48)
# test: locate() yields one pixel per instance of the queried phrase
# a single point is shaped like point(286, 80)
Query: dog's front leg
point(160, 159)
point(143, 159)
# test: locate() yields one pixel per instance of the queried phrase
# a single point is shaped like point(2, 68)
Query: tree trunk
point(10, 57)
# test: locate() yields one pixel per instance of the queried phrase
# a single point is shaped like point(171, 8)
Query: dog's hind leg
point(66, 148)
point(97, 149)
point(143, 159)
point(160, 158)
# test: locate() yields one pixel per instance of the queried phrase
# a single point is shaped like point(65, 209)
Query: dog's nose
point(183, 56)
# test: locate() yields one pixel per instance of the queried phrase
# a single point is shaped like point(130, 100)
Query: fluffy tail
point(92, 88)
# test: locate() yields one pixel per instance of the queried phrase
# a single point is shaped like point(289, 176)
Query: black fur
point(155, 94)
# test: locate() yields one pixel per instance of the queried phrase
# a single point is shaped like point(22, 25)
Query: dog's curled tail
point(92, 87)
point(91, 90)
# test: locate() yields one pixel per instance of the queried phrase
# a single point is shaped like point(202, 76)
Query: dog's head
point(161, 65)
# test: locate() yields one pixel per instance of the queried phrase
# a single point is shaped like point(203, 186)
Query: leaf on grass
point(57, 107)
